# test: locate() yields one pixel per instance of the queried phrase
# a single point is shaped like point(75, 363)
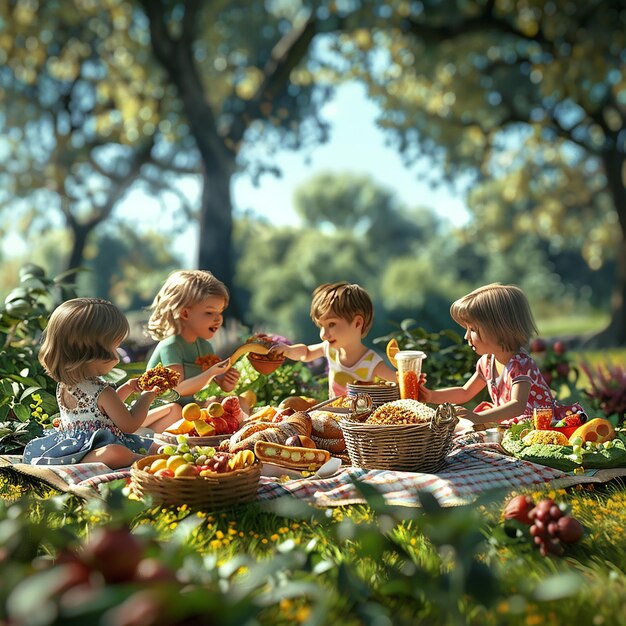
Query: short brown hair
point(183, 288)
point(345, 300)
point(501, 311)
point(79, 332)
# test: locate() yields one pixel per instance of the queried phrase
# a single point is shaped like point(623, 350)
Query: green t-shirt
point(174, 350)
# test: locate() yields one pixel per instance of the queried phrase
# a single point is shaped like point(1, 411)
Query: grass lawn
point(279, 565)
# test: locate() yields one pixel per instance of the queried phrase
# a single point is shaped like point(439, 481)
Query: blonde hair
point(500, 311)
point(183, 288)
point(79, 332)
point(344, 300)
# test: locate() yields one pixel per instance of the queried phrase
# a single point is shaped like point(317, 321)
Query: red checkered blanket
point(472, 468)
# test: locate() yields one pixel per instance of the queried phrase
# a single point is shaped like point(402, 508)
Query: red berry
point(538, 345)
point(559, 347)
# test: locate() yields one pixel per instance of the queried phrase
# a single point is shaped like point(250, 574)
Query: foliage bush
point(27, 396)
point(449, 360)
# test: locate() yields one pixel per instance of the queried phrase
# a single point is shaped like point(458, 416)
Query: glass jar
point(409, 370)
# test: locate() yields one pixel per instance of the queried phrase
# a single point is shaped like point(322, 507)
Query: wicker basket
point(403, 447)
point(210, 492)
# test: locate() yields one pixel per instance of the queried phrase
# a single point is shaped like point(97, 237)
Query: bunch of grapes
point(550, 526)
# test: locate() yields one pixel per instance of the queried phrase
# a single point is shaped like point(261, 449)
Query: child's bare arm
point(455, 395)
point(127, 420)
point(193, 384)
point(513, 408)
point(300, 351)
point(385, 372)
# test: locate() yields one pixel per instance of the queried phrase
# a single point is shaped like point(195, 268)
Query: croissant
point(297, 424)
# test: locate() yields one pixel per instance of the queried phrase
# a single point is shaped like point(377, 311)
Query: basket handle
point(361, 402)
point(445, 415)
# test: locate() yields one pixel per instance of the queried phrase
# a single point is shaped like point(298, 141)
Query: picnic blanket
point(472, 468)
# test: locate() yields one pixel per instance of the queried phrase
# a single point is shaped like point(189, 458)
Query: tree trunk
point(80, 232)
point(216, 226)
point(615, 333)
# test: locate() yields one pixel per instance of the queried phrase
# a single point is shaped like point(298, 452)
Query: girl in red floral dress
point(499, 323)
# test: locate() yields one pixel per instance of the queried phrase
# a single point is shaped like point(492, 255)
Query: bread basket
point(420, 447)
point(208, 492)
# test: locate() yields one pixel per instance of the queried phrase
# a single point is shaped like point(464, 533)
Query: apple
point(115, 552)
point(166, 472)
point(215, 409)
point(187, 469)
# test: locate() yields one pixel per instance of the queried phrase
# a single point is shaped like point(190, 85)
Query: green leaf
point(21, 412)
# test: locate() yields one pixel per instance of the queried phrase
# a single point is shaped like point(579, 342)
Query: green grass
point(574, 324)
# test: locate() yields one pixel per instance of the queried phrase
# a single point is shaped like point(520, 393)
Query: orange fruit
point(392, 350)
point(191, 411)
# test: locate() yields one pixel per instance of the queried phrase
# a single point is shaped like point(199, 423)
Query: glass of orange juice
point(409, 370)
point(542, 417)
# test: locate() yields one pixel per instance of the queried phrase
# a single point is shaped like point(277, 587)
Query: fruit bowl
point(264, 365)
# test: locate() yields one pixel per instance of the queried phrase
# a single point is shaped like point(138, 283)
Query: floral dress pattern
point(521, 368)
point(81, 429)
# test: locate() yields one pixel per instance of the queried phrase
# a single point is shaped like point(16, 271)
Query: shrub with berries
point(555, 364)
point(551, 527)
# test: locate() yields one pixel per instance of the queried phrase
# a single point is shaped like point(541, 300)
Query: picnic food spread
point(401, 412)
point(218, 418)
point(594, 445)
point(158, 379)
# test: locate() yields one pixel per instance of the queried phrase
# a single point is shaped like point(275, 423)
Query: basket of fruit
point(403, 435)
point(198, 476)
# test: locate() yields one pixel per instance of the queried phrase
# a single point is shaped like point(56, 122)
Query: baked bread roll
point(325, 425)
point(297, 424)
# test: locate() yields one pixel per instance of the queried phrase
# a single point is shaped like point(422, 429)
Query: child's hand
point(230, 378)
point(133, 385)
point(220, 368)
point(424, 394)
point(464, 413)
point(278, 350)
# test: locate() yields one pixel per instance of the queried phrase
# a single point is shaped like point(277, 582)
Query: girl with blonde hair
point(498, 325)
point(80, 346)
point(186, 313)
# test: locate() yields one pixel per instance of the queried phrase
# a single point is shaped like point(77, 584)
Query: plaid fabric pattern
point(473, 468)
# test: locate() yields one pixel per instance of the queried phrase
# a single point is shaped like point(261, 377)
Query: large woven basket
point(211, 492)
point(404, 447)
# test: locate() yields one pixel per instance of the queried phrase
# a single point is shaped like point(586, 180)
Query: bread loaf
point(336, 446)
point(325, 425)
point(245, 439)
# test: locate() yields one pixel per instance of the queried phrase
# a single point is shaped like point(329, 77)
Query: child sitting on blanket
point(344, 314)
point(80, 345)
point(186, 314)
point(498, 323)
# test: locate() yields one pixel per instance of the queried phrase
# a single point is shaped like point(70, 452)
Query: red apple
point(165, 472)
point(518, 508)
point(113, 551)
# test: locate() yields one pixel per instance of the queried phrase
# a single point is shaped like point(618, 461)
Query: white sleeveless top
point(340, 375)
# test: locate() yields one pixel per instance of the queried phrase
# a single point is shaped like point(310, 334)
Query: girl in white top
point(80, 345)
point(344, 314)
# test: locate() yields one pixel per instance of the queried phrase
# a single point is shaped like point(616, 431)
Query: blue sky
point(356, 145)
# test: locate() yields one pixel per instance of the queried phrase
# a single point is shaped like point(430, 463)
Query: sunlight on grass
point(572, 324)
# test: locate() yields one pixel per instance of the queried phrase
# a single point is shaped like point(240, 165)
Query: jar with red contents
point(409, 370)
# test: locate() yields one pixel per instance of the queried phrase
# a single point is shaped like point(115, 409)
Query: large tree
point(246, 75)
point(85, 116)
point(465, 83)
